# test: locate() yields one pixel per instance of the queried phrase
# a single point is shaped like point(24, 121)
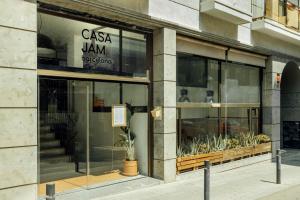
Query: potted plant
point(130, 162)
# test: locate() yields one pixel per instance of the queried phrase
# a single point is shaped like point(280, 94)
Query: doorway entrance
point(76, 139)
point(290, 106)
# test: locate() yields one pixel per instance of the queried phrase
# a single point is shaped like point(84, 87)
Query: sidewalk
point(256, 181)
point(290, 193)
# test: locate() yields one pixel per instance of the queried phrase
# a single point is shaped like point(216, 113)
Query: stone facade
point(164, 84)
point(18, 102)
point(271, 100)
point(18, 80)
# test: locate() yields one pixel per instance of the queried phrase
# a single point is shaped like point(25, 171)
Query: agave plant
point(233, 143)
point(194, 146)
point(262, 138)
point(248, 139)
point(180, 151)
point(203, 148)
point(218, 143)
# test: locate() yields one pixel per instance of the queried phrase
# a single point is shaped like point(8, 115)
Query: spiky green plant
point(128, 137)
point(248, 139)
point(194, 146)
point(262, 138)
point(203, 148)
point(233, 143)
point(217, 143)
point(180, 151)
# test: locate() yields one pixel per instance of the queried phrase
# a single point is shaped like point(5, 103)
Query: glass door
point(63, 129)
point(103, 96)
point(106, 147)
point(78, 145)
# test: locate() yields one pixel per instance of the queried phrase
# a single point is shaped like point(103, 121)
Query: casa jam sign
point(95, 51)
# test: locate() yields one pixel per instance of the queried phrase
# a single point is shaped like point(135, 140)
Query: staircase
point(55, 164)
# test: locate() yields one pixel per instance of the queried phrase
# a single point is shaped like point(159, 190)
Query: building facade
point(208, 67)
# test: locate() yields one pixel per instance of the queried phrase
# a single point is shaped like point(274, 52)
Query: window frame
point(67, 14)
point(205, 105)
point(204, 85)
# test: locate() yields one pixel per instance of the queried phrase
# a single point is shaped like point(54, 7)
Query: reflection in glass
point(239, 120)
point(134, 53)
point(62, 132)
point(66, 44)
point(240, 84)
point(197, 123)
point(101, 130)
point(78, 145)
point(197, 79)
point(202, 113)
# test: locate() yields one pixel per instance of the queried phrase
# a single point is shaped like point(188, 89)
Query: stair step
point(54, 160)
point(52, 152)
point(45, 128)
point(58, 175)
point(42, 123)
point(62, 166)
point(47, 136)
point(49, 144)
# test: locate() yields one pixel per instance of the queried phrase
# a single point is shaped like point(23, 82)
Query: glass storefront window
point(66, 44)
point(239, 120)
point(197, 79)
point(240, 83)
point(215, 98)
point(197, 123)
point(134, 53)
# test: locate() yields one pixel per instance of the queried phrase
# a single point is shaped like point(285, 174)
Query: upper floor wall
point(234, 11)
point(240, 21)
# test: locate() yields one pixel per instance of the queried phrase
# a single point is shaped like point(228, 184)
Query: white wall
point(140, 128)
point(180, 12)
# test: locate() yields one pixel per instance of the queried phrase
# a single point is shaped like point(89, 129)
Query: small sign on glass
point(119, 116)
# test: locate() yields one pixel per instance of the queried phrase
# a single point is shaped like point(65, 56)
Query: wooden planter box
point(262, 148)
point(192, 162)
point(233, 154)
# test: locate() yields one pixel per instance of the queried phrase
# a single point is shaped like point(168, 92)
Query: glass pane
point(199, 123)
point(101, 130)
point(137, 97)
point(64, 43)
point(134, 54)
point(197, 79)
point(78, 145)
point(234, 121)
point(62, 133)
point(101, 49)
point(240, 84)
point(239, 120)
